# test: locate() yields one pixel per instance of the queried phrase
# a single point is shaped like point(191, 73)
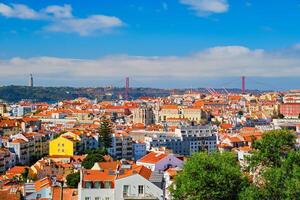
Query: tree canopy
point(272, 148)
point(209, 176)
point(93, 157)
point(105, 134)
point(279, 168)
point(73, 179)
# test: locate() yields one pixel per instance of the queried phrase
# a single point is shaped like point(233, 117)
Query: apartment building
point(186, 140)
point(121, 146)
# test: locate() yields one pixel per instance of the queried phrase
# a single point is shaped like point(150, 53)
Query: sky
point(157, 43)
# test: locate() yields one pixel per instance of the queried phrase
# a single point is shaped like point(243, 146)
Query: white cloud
point(18, 11)
point(227, 61)
point(59, 11)
point(61, 19)
point(85, 26)
point(207, 7)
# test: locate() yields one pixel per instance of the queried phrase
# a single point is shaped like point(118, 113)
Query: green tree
point(280, 116)
point(105, 133)
point(93, 157)
point(240, 113)
point(209, 176)
point(73, 179)
point(272, 148)
point(277, 182)
point(24, 175)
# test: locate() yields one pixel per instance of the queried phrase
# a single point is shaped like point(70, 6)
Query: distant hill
point(53, 94)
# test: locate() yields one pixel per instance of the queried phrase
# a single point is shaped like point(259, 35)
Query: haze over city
point(177, 43)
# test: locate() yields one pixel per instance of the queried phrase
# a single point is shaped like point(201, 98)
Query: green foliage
point(280, 116)
point(73, 180)
point(209, 177)
point(93, 157)
point(240, 113)
point(278, 182)
point(105, 134)
point(24, 175)
point(272, 148)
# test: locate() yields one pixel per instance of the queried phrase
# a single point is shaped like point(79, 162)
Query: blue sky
point(158, 43)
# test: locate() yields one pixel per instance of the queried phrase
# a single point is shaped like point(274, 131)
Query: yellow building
point(62, 146)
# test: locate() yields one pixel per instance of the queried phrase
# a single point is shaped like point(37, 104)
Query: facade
point(159, 161)
point(121, 146)
point(62, 146)
point(139, 149)
point(21, 148)
point(184, 112)
point(187, 140)
point(7, 160)
point(19, 111)
point(290, 110)
point(121, 182)
point(293, 96)
point(143, 115)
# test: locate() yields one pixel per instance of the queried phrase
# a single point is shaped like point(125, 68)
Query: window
point(97, 198)
point(107, 184)
point(88, 185)
point(97, 185)
point(63, 150)
point(58, 144)
point(87, 198)
point(125, 190)
point(106, 198)
point(141, 189)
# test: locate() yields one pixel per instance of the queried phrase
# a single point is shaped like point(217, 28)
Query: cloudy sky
point(157, 43)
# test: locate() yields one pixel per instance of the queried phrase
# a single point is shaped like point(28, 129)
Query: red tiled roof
point(153, 157)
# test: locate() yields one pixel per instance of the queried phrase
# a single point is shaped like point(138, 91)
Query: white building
point(125, 182)
point(159, 161)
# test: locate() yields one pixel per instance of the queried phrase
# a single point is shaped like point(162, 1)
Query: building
point(290, 110)
point(186, 140)
point(21, 148)
point(7, 160)
point(292, 96)
point(194, 114)
point(63, 146)
point(3, 109)
point(119, 182)
point(143, 115)
point(121, 146)
point(159, 161)
point(139, 149)
point(19, 111)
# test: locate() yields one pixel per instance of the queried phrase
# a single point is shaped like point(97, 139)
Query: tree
point(280, 116)
point(278, 176)
point(209, 176)
point(272, 148)
point(278, 182)
point(105, 134)
point(24, 175)
point(93, 157)
point(73, 179)
point(240, 113)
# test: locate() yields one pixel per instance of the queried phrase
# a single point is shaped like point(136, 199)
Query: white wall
point(134, 181)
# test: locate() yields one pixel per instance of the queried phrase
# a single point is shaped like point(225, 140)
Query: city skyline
point(178, 43)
